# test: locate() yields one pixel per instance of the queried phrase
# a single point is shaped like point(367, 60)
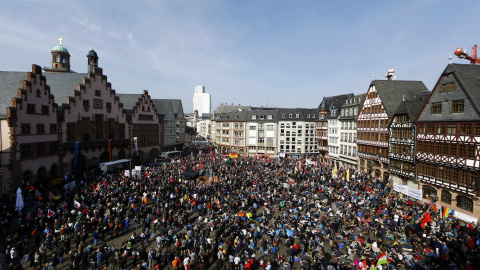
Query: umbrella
point(19, 203)
point(289, 232)
point(249, 215)
point(241, 214)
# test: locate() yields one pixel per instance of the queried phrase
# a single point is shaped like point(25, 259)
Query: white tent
point(19, 204)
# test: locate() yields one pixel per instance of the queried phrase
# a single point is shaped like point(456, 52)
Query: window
point(440, 129)
point(98, 93)
point(421, 128)
point(40, 129)
point(465, 129)
point(25, 151)
point(45, 110)
point(270, 117)
point(430, 128)
point(121, 131)
point(429, 192)
point(471, 151)
point(71, 134)
point(25, 129)
point(436, 108)
point(446, 197)
point(40, 149)
point(464, 203)
point(451, 86)
point(108, 105)
point(30, 108)
point(261, 140)
point(463, 178)
point(457, 106)
point(290, 116)
point(283, 115)
point(53, 148)
point(451, 129)
point(99, 126)
point(86, 102)
point(253, 127)
point(444, 88)
point(297, 115)
point(269, 127)
point(85, 125)
point(254, 117)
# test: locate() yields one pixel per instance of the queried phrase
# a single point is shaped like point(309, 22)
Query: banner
point(465, 217)
point(135, 140)
point(127, 173)
point(75, 160)
point(406, 190)
point(110, 148)
point(70, 186)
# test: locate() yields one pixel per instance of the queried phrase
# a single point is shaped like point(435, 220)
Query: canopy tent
point(19, 203)
point(105, 166)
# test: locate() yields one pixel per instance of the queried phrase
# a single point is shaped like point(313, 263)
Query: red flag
point(428, 218)
point(201, 166)
point(471, 226)
point(364, 265)
point(39, 213)
point(51, 196)
point(50, 213)
point(422, 223)
point(360, 240)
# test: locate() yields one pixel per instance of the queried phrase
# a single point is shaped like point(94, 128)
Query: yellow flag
point(334, 172)
point(348, 175)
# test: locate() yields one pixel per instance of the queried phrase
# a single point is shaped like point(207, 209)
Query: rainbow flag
point(447, 211)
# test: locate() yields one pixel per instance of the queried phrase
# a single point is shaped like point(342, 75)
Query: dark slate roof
point(469, 77)
point(262, 115)
point(352, 103)
point(164, 108)
point(240, 116)
point(410, 107)
point(301, 111)
point(62, 85)
point(129, 100)
point(224, 108)
point(177, 108)
point(9, 84)
point(392, 92)
point(327, 101)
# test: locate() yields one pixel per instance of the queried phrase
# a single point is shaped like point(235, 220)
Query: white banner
point(415, 193)
point(127, 173)
point(465, 217)
point(138, 168)
point(134, 172)
point(406, 190)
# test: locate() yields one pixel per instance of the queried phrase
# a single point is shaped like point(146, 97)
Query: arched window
point(429, 192)
point(446, 197)
point(464, 203)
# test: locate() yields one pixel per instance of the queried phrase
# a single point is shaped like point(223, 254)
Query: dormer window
point(290, 115)
point(270, 117)
point(283, 115)
point(297, 115)
point(254, 117)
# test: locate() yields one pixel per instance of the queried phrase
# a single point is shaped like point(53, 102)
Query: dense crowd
point(254, 213)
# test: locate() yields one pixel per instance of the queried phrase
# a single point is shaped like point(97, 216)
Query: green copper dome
point(60, 48)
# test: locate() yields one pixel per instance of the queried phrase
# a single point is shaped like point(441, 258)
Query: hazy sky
point(249, 52)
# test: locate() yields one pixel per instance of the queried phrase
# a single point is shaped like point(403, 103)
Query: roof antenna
point(404, 97)
point(450, 59)
point(373, 76)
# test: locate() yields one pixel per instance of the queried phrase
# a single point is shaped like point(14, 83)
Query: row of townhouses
point(427, 143)
point(55, 122)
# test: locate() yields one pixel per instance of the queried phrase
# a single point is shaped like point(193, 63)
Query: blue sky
point(275, 53)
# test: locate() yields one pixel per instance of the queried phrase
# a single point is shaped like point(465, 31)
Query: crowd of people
point(243, 213)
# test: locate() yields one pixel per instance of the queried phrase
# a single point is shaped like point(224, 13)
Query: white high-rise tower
point(201, 101)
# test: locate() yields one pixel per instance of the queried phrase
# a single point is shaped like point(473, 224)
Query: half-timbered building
point(448, 140)
point(379, 105)
point(401, 141)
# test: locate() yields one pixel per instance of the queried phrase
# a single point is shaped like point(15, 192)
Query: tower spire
point(60, 39)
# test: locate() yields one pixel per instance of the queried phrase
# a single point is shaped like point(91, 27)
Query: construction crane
point(474, 60)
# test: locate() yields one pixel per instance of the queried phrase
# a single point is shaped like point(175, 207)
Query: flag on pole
point(51, 196)
point(382, 259)
point(348, 175)
point(364, 264)
point(39, 213)
point(428, 217)
point(334, 172)
point(50, 213)
point(200, 165)
point(37, 193)
point(76, 204)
